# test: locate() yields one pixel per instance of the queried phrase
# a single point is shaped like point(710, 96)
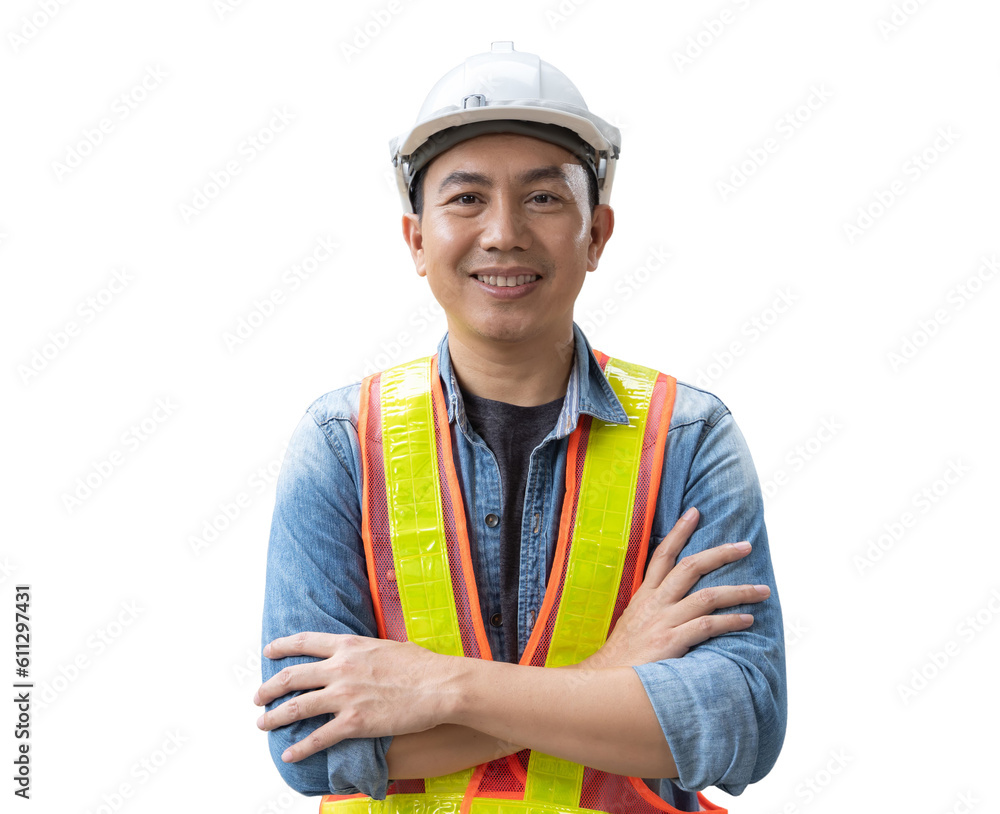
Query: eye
point(466, 198)
point(543, 198)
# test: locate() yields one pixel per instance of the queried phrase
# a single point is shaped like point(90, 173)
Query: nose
point(504, 226)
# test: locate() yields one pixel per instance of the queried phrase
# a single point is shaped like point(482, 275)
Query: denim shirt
point(722, 706)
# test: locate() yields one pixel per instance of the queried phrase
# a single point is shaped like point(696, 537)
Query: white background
point(145, 643)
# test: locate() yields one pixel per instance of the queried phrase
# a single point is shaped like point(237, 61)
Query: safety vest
point(424, 589)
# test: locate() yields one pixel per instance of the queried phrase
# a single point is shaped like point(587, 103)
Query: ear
point(415, 240)
point(601, 228)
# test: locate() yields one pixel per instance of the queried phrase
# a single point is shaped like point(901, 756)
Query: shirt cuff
point(359, 766)
point(706, 713)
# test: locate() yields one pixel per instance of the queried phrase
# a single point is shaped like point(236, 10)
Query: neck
point(514, 373)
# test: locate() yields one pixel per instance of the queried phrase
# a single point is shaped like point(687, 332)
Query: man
point(491, 462)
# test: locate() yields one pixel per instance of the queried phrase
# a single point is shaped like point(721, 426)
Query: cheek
point(577, 240)
point(445, 249)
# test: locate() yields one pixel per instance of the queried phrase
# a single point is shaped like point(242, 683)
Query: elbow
point(770, 737)
point(759, 740)
point(724, 721)
point(308, 776)
point(768, 690)
point(355, 766)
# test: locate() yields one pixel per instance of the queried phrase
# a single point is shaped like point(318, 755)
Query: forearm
point(600, 718)
point(442, 750)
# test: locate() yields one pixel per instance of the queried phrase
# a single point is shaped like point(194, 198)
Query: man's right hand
point(661, 621)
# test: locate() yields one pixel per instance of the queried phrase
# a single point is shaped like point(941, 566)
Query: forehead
point(500, 155)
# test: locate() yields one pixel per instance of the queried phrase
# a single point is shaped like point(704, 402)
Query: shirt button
point(492, 520)
point(496, 619)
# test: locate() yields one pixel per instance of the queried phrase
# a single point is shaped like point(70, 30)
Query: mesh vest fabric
point(424, 590)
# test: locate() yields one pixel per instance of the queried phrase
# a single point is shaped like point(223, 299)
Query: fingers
point(717, 597)
point(299, 677)
point(666, 553)
point(302, 644)
point(690, 569)
point(705, 627)
point(299, 708)
point(321, 738)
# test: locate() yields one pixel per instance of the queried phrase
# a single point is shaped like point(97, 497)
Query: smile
point(506, 282)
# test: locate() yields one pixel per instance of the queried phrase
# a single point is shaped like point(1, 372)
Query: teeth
point(505, 282)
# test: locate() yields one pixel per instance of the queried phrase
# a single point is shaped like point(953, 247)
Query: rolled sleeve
point(722, 706)
point(317, 581)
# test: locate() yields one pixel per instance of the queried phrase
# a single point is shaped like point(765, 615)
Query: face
point(507, 238)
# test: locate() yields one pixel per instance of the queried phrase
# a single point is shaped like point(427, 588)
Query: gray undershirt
point(512, 433)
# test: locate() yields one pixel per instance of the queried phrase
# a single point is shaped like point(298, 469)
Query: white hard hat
point(506, 91)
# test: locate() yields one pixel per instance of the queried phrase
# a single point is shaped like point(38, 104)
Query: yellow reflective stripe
point(603, 520)
point(395, 804)
point(413, 494)
point(448, 783)
point(495, 806)
point(553, 780)
point(596, 557)
point(450, 804)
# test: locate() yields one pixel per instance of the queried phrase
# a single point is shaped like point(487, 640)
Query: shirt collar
point(588, 391)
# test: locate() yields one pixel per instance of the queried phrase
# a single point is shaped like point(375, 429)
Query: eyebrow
point(460, 177)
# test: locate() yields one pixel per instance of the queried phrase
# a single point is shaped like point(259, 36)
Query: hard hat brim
point(602, 137)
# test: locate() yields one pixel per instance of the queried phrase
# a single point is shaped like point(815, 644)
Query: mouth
point(506, 280)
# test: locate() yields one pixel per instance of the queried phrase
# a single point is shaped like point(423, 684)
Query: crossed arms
point(440, 714)
point(596, 713)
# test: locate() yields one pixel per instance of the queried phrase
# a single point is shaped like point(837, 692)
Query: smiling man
point(494, 574)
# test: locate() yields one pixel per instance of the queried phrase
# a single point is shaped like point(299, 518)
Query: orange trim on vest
point(458, 509)
point(666, 411)
point(562, 543)
point(366, 526)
